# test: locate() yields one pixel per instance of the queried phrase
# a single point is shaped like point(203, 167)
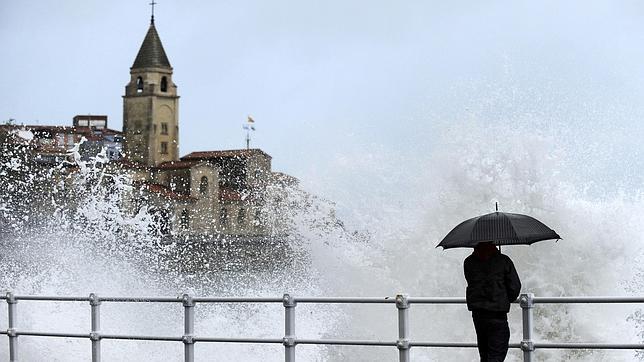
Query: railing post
point(289, 328)
point(402, 303)
point(527, 344)
point(94, 335)
point(189, 328)
point(11, 331)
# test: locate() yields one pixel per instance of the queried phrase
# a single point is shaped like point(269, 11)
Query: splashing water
point(79, 240)
point(399, 216)
point(464, 176)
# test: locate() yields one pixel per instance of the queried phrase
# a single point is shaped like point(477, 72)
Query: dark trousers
point(492, 336)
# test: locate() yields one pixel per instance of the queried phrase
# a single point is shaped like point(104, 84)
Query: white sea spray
point(368, 228)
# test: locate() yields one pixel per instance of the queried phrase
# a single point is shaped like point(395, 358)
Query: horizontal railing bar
point(348, 300)
point(453, 344)
point(51, 298)
point(47, 334)
point(545, 345)
point(562, 300)
point(365, 300)
point(177, 299)
point(238, 340)
point(445, 344)
point(142, 337)
point(589, 345)
point(238, 299)
point(345, 342)
point(436, 300)
point(102, 336)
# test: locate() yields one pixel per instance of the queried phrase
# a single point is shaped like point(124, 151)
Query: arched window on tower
point(164, 84)
point(139, 85)
point(203, 185)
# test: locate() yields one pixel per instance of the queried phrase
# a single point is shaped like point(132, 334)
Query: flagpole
point(249, 127)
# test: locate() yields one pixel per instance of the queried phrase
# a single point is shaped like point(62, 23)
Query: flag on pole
point(250, 124)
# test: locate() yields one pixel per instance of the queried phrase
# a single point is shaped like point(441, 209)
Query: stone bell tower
point(150, 106)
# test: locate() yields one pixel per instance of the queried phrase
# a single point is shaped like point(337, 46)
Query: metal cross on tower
point(152, 4)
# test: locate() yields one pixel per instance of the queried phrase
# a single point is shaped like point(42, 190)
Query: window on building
point(164, 128)
point(185, 219)
point(241, 216)
point(203, 185)
point(139, 85)
point(223, 216)
point(164, 148)
point(164, 84)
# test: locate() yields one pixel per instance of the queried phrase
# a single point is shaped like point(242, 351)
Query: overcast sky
point(330, 78)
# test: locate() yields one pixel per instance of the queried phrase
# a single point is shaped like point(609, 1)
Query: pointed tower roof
point(151, 54)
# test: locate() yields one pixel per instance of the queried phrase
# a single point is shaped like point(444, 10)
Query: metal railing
point(289, 340)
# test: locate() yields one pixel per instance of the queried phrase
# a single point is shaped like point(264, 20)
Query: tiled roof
point(205, 155)
point(166, 192)
point(151, 53)
point(60, 129)
point(174, 165)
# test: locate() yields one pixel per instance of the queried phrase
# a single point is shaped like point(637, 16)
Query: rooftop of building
point(151, 54)
point(59, 129)
point(206, 155)
point(167, 192)
point(176, 165)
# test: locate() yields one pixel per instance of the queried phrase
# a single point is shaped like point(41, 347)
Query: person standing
point(492, 284)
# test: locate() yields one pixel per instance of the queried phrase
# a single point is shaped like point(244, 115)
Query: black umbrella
point(500, 228)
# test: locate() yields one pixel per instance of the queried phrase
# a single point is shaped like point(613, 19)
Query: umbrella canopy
point(500, 228)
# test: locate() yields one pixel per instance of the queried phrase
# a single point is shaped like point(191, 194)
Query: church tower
point(150, 106)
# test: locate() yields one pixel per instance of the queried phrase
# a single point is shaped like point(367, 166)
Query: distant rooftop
point(167, 192)
point(175, 165)
point(58, 129)
point(89, 120)
point(206, 155)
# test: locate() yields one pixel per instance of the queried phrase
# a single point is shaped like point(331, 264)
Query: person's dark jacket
point(492, 283)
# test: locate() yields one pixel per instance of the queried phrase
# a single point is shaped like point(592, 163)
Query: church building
point(201, 193)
